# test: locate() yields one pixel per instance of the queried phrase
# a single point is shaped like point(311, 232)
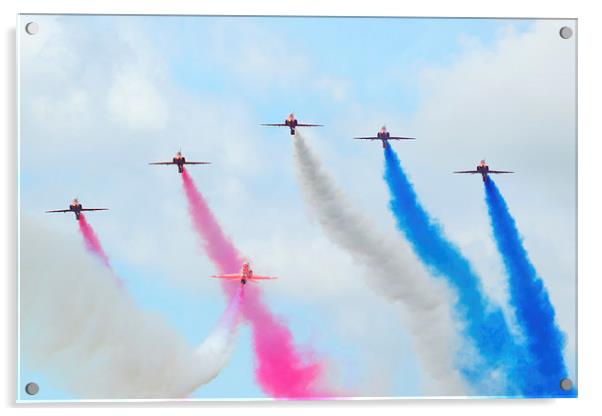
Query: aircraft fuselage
point(384, 137)
point(76, 209)
point(291, 125)
point(484, 171)
point(180, 161)
point(247, 273)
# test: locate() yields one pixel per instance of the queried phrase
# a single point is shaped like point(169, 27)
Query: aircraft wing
point(197, 163)
point(500, 171)
point(309, 125)
point(227, 276)
point(162, 163)
point(263, 278)
point(385, 138)
point(274, 124)
point(467, 171)
point(94, 209)
point(59, 210)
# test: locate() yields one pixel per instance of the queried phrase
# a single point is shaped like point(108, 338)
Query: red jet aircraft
point(246, 274)
point(291, 122)
point(484, 170)
point(179, 160)
point(384, 136)
point(77, 208)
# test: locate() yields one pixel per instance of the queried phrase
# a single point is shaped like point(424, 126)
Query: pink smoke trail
point(281, 370)
point(91, 241)
point(93, 245)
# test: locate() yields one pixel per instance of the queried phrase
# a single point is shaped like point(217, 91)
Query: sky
point(100, 97)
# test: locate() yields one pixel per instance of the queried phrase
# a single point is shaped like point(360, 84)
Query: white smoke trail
point(391, 269)
point(88, 336)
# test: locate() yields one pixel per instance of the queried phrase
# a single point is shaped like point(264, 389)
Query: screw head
point(566, 32)
point(32, 389)
point(32, 28)
point(566, 384)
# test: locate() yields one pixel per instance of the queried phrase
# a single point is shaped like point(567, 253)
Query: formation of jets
point(246, 273)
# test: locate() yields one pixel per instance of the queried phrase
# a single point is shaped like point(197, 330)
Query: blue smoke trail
point(485, 325)
point(528, 295)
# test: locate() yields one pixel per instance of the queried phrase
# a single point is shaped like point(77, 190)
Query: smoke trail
point(93, 245)
point(83, 331)
point(215, 243)
point(91, 240)
point(529, 297)
point(392, 271)
point(281, 370)
point(217, 348)
point(484, 323)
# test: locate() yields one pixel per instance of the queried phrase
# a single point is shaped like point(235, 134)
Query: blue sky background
point(102, 96)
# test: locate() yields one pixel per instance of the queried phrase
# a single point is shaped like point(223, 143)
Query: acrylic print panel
point(244, 253)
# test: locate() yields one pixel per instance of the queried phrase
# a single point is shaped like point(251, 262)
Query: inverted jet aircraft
point(245, 275)
point(292, 123)
point(76, 208)
point(384, 136)
point(180, 161)
point(484, 170)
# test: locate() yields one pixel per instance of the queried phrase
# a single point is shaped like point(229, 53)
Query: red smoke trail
point(91, 241)
point(93, 245)
point(281, 370)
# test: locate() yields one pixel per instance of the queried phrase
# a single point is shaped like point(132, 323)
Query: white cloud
point(337, 88)
point(57, 61)
point(257, 56)
point(72, 109)
point(134, 101)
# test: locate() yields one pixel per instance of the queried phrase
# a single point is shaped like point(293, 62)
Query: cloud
point(256, 56)
point(134, 101)
point(73, 108)
point(337, 88)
